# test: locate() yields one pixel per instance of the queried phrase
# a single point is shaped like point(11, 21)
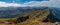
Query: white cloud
point(51, 3)
point(4, 4)
point(35, 3)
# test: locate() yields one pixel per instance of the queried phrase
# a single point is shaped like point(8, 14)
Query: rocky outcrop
point(21, 19)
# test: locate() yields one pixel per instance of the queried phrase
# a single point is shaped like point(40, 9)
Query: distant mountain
point(9, 12)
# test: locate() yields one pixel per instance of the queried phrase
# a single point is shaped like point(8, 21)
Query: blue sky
point(19, 1)
point(31, 3)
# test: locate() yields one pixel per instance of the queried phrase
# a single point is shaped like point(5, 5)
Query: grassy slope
point(35, 18)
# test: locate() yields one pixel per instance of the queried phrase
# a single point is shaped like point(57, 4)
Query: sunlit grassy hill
point(34, 17)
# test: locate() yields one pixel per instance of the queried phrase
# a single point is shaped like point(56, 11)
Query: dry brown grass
point(27, 22)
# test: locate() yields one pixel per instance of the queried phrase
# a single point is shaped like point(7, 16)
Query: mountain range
point(10, 12)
